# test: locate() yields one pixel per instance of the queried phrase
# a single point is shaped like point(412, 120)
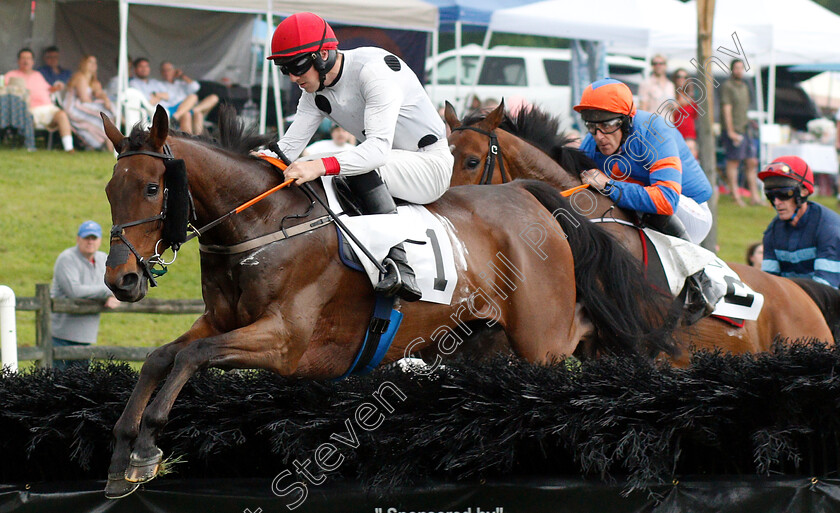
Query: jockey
point(371, 93)
point(804, 238)
point(644, 163)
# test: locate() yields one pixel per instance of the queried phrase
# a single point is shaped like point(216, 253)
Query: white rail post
point(8, 331)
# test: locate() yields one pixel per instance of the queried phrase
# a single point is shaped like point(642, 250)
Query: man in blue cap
point(79, 273)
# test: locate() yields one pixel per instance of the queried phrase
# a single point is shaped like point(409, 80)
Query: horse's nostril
point(129, 281)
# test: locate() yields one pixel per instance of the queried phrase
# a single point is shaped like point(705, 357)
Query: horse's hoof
point(118, 487)
point(141, 470)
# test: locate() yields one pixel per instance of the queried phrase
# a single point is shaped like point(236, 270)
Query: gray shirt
point(148, 86)
point(178, 91)
point(76, 277)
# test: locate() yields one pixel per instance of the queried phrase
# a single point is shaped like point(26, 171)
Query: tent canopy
point(472, 12)
point(618, 22)
point(405, 14)
point(628, 27)
point(795, 31)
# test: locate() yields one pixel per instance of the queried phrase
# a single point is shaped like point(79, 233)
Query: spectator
point(340, 140)
point(737, 135)
point(755, 254)
point(686, 115)
point(53, 73)
point(803, 240)
point(153, 89)
point(183, 104)
point(45, 113)
point(113, 86)
point(489, 104)
point(84, 101)
point(80, 274)
point(656, 89)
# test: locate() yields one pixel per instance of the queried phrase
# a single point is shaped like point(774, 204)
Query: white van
point(539, 75)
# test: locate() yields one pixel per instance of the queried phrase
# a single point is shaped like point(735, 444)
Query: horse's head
point(476, 148)
point(137, 194)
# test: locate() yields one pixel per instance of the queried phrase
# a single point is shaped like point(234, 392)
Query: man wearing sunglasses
point(803, 240)
point(402, 151)
point(644, 164)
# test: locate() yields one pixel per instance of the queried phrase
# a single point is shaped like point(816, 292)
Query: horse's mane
point(542, 130)
point(232, 135)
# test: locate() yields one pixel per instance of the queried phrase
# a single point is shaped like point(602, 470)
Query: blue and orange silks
point(652, 167)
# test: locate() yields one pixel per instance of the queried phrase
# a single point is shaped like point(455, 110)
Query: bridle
point(118, 231)
point(493, 151)
point(178, 234)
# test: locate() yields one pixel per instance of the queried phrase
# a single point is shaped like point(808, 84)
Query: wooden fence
point(43, 305)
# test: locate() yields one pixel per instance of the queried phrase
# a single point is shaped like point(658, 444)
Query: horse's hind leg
point(128, 426)
point(248, 347)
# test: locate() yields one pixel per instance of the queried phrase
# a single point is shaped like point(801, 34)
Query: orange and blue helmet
point(609, 96)
point(791, 167)
point(303, 32)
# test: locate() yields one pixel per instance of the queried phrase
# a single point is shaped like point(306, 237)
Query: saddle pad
point(427, 246)
point(680, 259)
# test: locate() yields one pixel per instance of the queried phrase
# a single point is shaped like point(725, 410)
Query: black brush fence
point(615, 434)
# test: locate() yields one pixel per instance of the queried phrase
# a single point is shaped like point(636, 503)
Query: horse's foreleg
point(127, 427)
point(258, 345)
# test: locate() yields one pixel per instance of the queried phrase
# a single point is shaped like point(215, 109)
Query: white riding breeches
point(419, 176)
point(696, 217)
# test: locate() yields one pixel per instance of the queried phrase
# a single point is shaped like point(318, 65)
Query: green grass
point(45, 195)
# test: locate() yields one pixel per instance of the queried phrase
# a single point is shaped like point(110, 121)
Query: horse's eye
point(152, 190)
point(472, 163)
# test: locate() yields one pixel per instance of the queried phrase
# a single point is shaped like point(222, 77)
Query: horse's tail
point(827, 299)
point(627, 312)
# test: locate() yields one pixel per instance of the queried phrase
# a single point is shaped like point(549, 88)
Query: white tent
point(785, 32)
point(771, 32)
point(628, 27)
point(405, 14)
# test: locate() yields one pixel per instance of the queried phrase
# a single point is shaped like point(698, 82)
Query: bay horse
point(527, 145)
point(294, 308)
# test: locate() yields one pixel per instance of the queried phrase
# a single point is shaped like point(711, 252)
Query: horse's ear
point(112, 132)
point(450, 116)
point(494, 119)
point(160, 128)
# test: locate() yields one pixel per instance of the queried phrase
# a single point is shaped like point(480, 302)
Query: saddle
point(350, 203)
point(702, 284)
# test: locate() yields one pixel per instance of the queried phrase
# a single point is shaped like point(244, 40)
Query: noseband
point(492, 152)
point(118, 231)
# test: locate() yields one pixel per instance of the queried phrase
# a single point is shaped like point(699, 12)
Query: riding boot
point(669, 225)
point(375, 198)
point(400, 279)
point(703, 295)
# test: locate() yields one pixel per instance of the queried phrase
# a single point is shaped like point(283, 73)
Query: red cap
point(793, 167)
point(608, 95)
point(300, 33)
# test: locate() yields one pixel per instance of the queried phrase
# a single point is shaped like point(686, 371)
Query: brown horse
point(292, 307)
point(792, 309)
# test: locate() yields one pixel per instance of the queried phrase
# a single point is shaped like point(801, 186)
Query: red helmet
point(300, 33)
point(792, 167)
point(607, 95)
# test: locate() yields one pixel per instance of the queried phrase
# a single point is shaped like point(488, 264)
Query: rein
point(492, 152)
point(148, 266)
